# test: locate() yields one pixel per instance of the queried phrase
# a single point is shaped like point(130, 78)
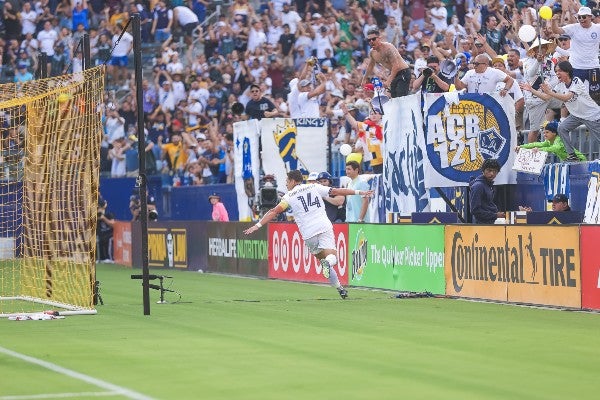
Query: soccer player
point(308, 208)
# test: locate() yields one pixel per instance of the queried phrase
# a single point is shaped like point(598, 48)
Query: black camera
point(153, 215)
point(427, 72)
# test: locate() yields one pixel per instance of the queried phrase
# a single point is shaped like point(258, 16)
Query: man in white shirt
point(585, 39)
point(308, 208)
point(47, 38)
point(308, 97)
point(256, 37)
point(483, 79)
point(439, 16)
point(582, 109)
point(290, 17)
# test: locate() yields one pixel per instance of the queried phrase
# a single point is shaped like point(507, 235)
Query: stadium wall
point(550, 265)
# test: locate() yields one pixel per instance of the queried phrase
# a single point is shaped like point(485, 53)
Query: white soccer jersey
point(581, 104)
point(308, 208)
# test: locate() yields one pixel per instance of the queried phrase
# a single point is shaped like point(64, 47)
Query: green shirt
point(557, 148)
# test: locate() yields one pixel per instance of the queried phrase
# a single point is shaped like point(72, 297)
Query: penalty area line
point(114, 389)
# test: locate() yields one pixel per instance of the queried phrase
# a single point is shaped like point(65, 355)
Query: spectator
point(369, 138)
point(334, 205)
point(104, 232)
point(122, 46)
point(117, 154)
point(162, 21)
point(560, 202)
point(356, 205)
point(259, 107)
point(387, 56)
point(432, 80)
point(553, 143)
point(482, 192)
point(585, 35)
point(80, 15)
point(582, 109)
point(187, 20)
point(22, 74)
point(538, 67)
point(308, 97)
point(219, 212)
point(483, 79)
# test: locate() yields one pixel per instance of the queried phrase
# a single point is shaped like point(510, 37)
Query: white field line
point(114, 389)
point(59, 395)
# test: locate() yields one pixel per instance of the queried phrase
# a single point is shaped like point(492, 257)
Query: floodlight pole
point(141, 182)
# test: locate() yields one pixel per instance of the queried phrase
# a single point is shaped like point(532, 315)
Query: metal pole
point(141, 182)
point(42, 70)
point(87, 54)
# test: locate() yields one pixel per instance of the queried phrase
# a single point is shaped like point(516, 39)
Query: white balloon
point(345, 149)
point(527, 33)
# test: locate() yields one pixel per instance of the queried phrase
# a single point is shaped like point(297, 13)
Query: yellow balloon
point(63, 97)
point(545, 12)
point(354, 157)
point(452, 88)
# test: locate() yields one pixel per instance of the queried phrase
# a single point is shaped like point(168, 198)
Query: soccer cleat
point(572, 158)
point(343, 293)
point(325, 266)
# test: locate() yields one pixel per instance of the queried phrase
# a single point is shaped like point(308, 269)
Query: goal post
point(51, 132)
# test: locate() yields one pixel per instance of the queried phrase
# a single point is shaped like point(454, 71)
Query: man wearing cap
point(259, 107)
point(219, 212)
point(585, 39)
point(552, 143)
point(308, 97)
point(563, 50)
point(538, 67)
point(22, 74)
point(560, 202)
point(386, 55)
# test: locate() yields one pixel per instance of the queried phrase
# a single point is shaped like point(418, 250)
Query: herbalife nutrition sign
point(397, 257)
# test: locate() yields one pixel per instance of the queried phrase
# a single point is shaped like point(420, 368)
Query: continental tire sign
point(290, 259)
point(523, 264)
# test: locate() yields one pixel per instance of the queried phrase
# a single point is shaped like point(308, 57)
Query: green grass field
point(239, 338)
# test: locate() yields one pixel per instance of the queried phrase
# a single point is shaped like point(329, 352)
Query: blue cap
point(560, 198)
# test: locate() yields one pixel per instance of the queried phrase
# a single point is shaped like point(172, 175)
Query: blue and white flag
point(246, 165)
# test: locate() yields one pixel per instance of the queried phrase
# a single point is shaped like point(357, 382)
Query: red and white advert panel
point(290, 259)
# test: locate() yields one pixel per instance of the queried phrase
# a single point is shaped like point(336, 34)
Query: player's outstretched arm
point(268, 217)
point(350, 192)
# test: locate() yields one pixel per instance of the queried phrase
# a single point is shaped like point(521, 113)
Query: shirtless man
point(386, 55)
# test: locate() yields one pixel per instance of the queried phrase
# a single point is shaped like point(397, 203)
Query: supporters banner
point(590, 267)
point(592, 204)
point(397, 257)
point(246, 165)
point(556, 180)
point(289, 144)
point(290, 259)
point(403, 170)
point(463, 130)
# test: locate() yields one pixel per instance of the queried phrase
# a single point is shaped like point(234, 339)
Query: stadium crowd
point(305, 58)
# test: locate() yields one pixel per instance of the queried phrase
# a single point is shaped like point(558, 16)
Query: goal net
point(51, 130)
